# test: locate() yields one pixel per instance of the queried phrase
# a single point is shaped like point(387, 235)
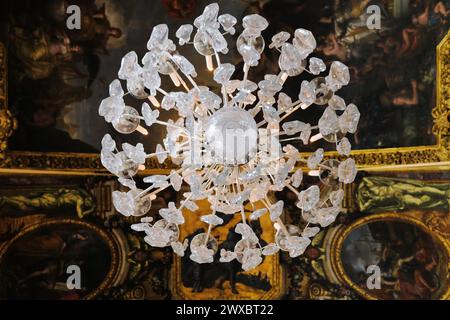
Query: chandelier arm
point(245, 68)
point(162, 91)
point(316, 137)
point(192, 81)
point(306, 227)
point(143, 193)
point(298, 105)
point(206, 174)
point(208, 233)
point(270, 175)
point(256, 110)
point(290, 187)
point(336, 141)
point(282, 76)
point(293, 104)
point(244, 219)
point(132, 116)
point(238, 185)
point(233, 101)
point(155, 154)
point(154, 101)
point(207, 185)
point(223, 88)
point(209, 63)
point(268, 204)
point(176, 73)
point(287, 114)
point(216, 55)
point(157, 190)
point(183, 83)
point(289, 139)
point(183, 203)
point(283, 227)
point(163, 123)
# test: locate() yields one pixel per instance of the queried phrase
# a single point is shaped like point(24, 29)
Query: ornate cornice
point(69, 162)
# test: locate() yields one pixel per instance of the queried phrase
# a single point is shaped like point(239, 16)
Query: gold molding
point(115, 257)
point(7, 122)
point(73, 163)
point(338, 241)
point(66, 163)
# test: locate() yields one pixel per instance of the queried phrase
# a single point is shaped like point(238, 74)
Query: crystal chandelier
point(224, 154)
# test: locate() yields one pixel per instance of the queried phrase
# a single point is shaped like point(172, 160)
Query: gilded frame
point(275, 273)
point(74, 163)
point(176, 282)
point(342, 234)
point(115, 256)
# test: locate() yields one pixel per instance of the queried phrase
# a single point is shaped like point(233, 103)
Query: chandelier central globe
point(231, 136)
